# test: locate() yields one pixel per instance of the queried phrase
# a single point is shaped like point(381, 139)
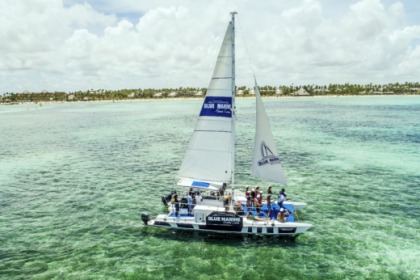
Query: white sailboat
point(209, 164)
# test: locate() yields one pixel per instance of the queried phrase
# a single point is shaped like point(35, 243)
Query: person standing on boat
point(176, 202)
point(260, 198)
point(190, 202)
point(282, 197)
point(256, 190)
point(269, 193)
point(254, 202)
point(198, 198)
point(284, 193)
point(248, 197)
point(258, 194)
point(222, 189)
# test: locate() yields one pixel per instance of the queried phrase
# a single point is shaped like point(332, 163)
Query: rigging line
point(246, 47)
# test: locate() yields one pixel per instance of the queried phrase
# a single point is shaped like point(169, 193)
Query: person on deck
point(255, 218)
point(176, 202)
point(190, 202)
point(198, 198)
point(248, 197)
point(222, 189)
point(254, 201)
point(269, 193)
point(260, 198)
point(282, 197)
point(283, 191)
point(238, 208)
point(281, 215)
point(173, 196)
point(227, 199)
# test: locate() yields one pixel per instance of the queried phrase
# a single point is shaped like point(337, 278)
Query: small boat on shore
point(208, 168)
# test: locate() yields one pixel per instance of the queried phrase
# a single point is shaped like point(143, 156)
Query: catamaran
point(208, 168)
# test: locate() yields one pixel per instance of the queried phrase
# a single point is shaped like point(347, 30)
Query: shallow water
point(75, 177)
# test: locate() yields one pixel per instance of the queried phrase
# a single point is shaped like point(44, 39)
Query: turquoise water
point(74, 179)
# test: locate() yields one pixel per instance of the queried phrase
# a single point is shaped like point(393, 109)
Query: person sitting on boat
point(168, 198)
point(281, 216)
point(238, 208)
point(227, 199)
point(282, 197)
point(255, 218)
point(173, 196)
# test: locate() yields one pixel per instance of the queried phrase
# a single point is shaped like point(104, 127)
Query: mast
point(233, 104)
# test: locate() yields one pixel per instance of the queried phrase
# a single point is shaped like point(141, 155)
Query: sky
point(71, 45)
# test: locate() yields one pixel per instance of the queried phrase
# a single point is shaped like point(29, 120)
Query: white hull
point(210, 219)
point(296, 205)
point(250, 227)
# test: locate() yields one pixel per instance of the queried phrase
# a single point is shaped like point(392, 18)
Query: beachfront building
point(301, 92)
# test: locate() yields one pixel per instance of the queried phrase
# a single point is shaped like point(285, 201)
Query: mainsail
point(266, 162)
point(210, 155)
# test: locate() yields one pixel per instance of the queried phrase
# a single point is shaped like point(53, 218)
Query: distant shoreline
point(193, 98)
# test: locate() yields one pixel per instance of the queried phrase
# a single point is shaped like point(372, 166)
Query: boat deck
point(275, 209)
point(263, 214)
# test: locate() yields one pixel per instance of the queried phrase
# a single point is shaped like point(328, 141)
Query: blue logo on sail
point(267, 156)
point(215, 106)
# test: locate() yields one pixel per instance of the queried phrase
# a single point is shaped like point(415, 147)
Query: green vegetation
point(282, 90)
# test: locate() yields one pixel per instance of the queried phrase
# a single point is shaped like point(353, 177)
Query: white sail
point(210, 154)
point(266, 161)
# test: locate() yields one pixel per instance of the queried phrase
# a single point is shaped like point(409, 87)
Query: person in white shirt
point(282, 197)
point(198, 198)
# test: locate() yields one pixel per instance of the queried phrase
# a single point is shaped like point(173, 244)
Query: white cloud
point(48, 45)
